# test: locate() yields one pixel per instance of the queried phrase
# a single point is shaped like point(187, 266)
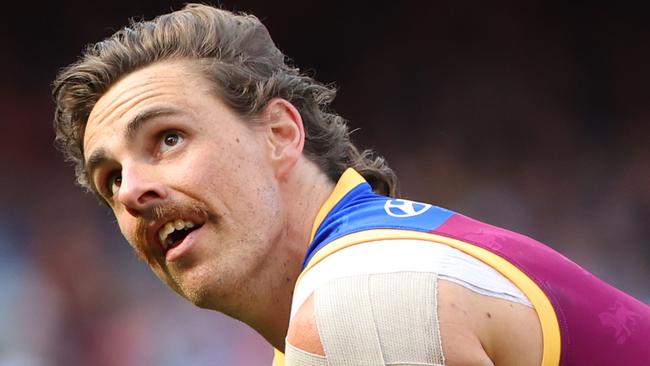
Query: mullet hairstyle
point(236, 53)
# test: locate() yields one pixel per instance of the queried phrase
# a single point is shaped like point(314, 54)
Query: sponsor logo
point(405, 208)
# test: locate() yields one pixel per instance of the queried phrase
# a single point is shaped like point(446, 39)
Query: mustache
point(166, 212)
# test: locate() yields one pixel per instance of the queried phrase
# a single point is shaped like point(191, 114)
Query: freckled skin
point(241, 177)
point(201, 166)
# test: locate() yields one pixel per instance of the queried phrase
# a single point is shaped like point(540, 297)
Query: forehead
point(164, 84)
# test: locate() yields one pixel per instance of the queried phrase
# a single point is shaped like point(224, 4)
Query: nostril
point(148, 197)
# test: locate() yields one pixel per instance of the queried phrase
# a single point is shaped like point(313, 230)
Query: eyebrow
point(99, 156)
point(136, 124)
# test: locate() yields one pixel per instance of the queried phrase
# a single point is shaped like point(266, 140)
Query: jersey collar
point(348, 181)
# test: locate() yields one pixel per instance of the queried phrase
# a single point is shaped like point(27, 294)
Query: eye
point(113, 183)
point(169, 140)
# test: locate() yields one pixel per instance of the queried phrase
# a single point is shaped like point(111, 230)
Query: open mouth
point(174, 232)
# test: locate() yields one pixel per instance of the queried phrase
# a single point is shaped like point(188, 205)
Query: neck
point(304, 191)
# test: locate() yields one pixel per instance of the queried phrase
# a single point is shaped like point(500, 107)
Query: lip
point(185, 245)
point(153, 239)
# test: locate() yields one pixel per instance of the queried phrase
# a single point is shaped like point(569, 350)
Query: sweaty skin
point(160, 145)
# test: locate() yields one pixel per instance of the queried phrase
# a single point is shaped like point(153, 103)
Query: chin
point(207, 289)
point(196, 289)
point(200, 299)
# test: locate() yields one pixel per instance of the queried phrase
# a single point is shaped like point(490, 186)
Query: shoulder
point(303, 331)
point(469, 329)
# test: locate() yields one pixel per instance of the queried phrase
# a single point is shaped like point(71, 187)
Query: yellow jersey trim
point(545, 311)
point(349, 179)
point(278, 357)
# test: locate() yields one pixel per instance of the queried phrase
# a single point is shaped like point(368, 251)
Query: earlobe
point(286, 135)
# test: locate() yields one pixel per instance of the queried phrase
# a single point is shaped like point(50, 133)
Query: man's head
point(186, 126)
point(194, 188)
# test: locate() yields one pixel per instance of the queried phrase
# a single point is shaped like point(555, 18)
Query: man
point(232, 180)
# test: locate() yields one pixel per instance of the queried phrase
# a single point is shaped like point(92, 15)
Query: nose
point(140, 191)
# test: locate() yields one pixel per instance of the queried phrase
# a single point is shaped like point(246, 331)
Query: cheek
point(129, 234)
point(228, 174)
point(129, 229)
point(226, 167)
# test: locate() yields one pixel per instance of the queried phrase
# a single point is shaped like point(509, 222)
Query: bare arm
point(483, 330)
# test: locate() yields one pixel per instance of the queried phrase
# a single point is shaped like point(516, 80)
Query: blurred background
point(533, 116)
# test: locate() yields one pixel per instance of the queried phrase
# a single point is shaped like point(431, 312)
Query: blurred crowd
point(532, 117)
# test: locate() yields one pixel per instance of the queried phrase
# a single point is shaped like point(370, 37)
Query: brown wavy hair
point(236, 53)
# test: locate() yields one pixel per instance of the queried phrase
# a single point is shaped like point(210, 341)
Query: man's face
point(189, 181)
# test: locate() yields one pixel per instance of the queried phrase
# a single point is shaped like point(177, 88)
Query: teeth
point(168, 228)
point(178, 224)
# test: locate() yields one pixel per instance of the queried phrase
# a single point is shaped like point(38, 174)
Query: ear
point(286, 135)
